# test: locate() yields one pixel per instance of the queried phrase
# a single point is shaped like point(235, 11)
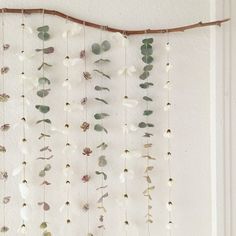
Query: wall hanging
point(81, 114)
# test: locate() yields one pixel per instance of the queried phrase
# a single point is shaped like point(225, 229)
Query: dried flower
point(2, 148)
point(3, 175)
point(86, 178)
point(87, 75)
point(6, 199)
point(85, 207)
point(84, 126)
point(87, 151)
point(5, 127)
point(4, 97)
point(6, 46)
point(4, 229)
point(82, 54)
point(84, 101)
point(4, 70)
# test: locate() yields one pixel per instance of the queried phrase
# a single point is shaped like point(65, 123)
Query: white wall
point(191, 116)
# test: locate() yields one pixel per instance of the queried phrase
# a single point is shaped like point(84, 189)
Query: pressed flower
point(4, 229)
point(82, 54)
point(85, 207)
point(6, 199)
point(4, 70)
point(85, 126)
point(6, 46)
point(2, 148)
point(86, 178)
point(87, 75)
point(87, 151)
point(4, 97)
point(3, 175)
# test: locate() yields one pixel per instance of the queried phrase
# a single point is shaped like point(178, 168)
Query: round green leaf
point(142, 125)
point(42, 108)
point(100, 116)
point(100, 128)
point(43, 80)
point(148, 41)
point(148, 68)
point(147, 59)
point(105, 45)
point(44, 28)
point(144, 75)
point(43, 92)
point(43, 225)
point(44, 36)
point(147, 112)
point(96, 49)
point(146, 50)
point(146, 98)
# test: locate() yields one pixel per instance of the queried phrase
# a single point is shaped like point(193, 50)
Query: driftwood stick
point(110, 29)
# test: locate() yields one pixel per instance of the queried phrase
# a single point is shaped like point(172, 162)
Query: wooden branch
point(126, 32)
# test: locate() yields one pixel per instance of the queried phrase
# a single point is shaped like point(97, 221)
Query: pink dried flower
point(87, 151)
point(86, 178)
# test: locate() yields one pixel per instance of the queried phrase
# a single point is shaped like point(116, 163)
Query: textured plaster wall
point(190, 55)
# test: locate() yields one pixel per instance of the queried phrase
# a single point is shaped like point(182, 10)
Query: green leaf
point(100, 116)
point(44, 64)
point(96, 49)
point(43, 92)
point(103, 146)
point(46, 233)
point(146, 50)
point(147, 135)
point(43, 225)
point(43, 81)
point(100, 128)
point(142, 125)
point(148, 68)
point(150, 125)
point(147, 59)
point(144, 75)
point(46, 50)
point(147, 112)
point(102, 161)
point(105, 45)
point(148, 41)
point(101, 173)
point(42, 173)
point(43, 108)
point(44, 36)
point(44, 28)
point(101, 100)
point(102, 61)
point(146, 85)
point(148, 99)
point(44, 120)
point(103, 74)
point(99, 88)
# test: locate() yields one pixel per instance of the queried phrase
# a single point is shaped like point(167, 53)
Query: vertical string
point(86, 120)
point(23, 226)
point(168, 134)
point(67, 125)
point(125, 139)
point(4, 228)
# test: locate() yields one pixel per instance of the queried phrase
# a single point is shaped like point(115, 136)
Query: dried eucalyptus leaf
point(102, 197)
point(96, 48)
point(44, 36)
point(148, 68)
point(43, 225)
point(102, 74)
point(44, 28)
point(101, 100)
point(102, 161)
point(142, 125)
point(46, 233)
point(147, 41)
point(144, 75)
point(103, 146)
point(101, 173)
point(4, 229)
point(146, 50)
point(146, 85)
point(44, 120)
point(147, 112)
point(99, 88)
point(99, 116)
point(43, 108)
point(100, 128)
point(4, 97)
point(42, 173)
point(105, 45)
point(147, 59)
point(43, 92)
point(102, 61)
point(148, 99)
point(43, 81)
point(47, 167)
point(46, 50)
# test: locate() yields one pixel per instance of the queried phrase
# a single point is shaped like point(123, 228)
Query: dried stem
point(126, 32)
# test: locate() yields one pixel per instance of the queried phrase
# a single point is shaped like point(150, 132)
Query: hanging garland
point(147, 51)
point(43, 91)
point(168, 135)
point(4, 127)
point(99, 49)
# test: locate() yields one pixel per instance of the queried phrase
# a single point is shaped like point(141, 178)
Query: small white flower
point(168, 67)
point(128, 128)
point(127, 70)
point(167, 107)
point(25, 213)
point(29, 29)
point(120, 38)
point(126, 176)
point(68, 149)
point(67, 84)
point(168, 46)
point(168, 134)
point(130, 103)
point(25, 56)
point(24, 190)
point(17, 170)
point(22, 229)
point(72, 29)
point(68, 62)
point(168, 85)
point(169, 226)
point(24, 148)
point(131, 154)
